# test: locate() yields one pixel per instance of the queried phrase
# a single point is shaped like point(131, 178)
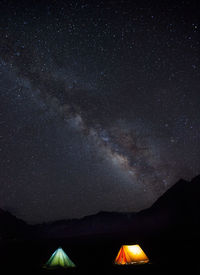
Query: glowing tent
point(59, 259)
point(131, 254)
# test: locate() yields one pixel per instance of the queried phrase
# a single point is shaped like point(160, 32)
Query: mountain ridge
point(175, 210)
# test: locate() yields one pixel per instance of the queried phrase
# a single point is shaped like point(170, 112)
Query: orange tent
point(131, 254)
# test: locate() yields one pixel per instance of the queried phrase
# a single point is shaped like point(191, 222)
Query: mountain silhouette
point(11, 226)
point(174, 215)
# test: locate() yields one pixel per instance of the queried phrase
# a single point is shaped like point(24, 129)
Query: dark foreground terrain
point(168, 232)
point(167, 257)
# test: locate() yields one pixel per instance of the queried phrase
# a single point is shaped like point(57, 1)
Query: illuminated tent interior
point(59, 259)
point(131, 254)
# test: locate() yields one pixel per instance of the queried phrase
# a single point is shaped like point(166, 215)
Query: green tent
point(59, 258)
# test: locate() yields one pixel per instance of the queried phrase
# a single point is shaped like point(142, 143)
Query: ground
point(166, 257)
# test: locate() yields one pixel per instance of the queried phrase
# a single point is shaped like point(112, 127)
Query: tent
point(59, 258)
point(131, 254)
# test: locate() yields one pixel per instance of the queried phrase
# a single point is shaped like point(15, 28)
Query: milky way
point(99, 105)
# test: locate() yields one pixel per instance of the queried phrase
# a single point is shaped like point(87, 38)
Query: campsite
point(166, 258)
point(167, 234)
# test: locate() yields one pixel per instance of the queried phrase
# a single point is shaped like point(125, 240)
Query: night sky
point(99, 104)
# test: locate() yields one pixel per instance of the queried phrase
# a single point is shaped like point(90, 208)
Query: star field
point(99, 106)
